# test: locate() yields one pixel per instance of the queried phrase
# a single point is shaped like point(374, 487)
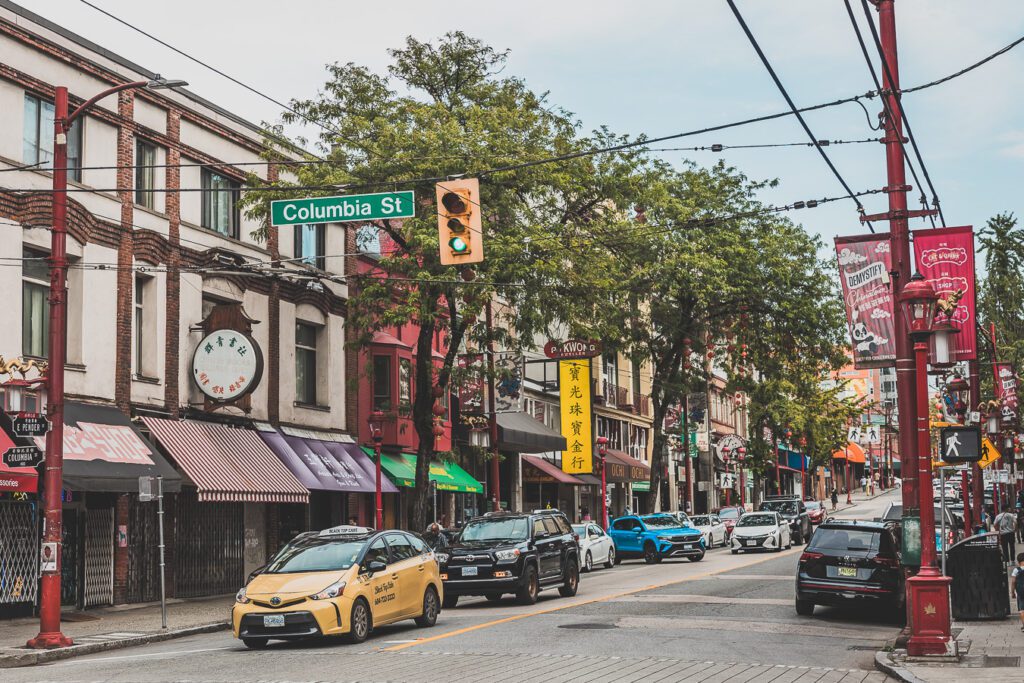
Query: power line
point(793, 107)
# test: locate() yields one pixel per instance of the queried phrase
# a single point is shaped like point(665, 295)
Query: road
point(727, 618)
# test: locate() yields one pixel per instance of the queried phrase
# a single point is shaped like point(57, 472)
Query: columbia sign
point(354, 207)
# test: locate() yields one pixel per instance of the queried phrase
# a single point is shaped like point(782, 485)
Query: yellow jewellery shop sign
point(574, 391)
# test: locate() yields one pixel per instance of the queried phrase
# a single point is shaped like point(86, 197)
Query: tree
point(1001, 292)
point(444, 109)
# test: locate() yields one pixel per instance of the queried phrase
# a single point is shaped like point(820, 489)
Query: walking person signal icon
point(960, 444)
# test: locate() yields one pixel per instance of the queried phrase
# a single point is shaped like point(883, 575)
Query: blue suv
point(655, 537)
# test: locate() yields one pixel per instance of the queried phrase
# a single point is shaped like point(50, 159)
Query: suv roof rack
point(547, 511)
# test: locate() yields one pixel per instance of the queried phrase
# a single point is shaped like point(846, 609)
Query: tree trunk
point(659, 453)
point(423, 422)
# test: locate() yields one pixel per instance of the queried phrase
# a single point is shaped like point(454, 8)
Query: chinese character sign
point(864, 265)
point(945, 256)
point(226, 365)
point(574, 390)
point(1006, 392)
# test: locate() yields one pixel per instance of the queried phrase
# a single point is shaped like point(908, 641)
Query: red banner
point(945, 256)
point(864, 265)
point(1006, 392)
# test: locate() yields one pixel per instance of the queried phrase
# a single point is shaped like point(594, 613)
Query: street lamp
point(941, 345)
point(741, 456)
point(50, 635)
point(376, 421)
point(929, 589)
point(602, 452)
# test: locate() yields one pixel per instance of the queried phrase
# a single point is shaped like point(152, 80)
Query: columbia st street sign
point(346, 208)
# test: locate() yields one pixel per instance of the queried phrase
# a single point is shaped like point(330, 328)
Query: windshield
point(728, 513)
point(786, 507)
point(811, 505)
point(844, 540)
point(580, 529)
point(661, 521)
point(484, 530)
point(756, 520)
point(701, 520)
point(895, 513)
point(316, 555)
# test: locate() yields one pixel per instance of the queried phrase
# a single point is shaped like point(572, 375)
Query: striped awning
point(227, 463)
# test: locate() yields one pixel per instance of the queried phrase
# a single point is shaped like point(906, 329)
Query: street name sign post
point(22, 456)
point(344, 208)
point(29, 425)
point(145, 495)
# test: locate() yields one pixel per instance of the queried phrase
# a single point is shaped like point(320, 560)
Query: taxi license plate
point(848, 571)
point(273, 620)
point(469, 571)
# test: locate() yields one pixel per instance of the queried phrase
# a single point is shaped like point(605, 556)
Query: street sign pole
point(163, 582)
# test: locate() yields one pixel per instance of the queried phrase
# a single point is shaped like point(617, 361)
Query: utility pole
point(493, 412)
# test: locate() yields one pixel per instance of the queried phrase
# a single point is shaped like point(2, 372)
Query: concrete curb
point(16, 657)
point(885, 664)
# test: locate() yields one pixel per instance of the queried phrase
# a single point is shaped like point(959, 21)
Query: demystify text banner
point(864, 265)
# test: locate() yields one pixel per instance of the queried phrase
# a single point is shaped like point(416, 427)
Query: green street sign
point(352, 207)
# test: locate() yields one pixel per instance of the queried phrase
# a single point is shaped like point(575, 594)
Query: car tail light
point(888, 562)
point(810, 555)
point(576, 537)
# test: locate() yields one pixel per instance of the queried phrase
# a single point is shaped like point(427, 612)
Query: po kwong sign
point(864, 265)
point(573, 349)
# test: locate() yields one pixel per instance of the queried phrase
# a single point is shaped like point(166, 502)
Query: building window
point(145, 174)
point(368, 241)
point(35, 305)
point(305, 363)
point(381, 383)
point(220, 203)
point(309, 244)
point(404, 384)
point(139, 323)
point(38, 138)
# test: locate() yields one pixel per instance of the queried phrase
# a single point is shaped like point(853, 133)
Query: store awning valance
point(538, 470)
point(588, 479)
point(325, 464)
point(521, 433)
point(641, 486)
point(401, 469)
point(856, 453)
point(621, 467)
point(227, 463)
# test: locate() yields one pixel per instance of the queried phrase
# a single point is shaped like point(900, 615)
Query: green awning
point(642, 486)
point(401, 469)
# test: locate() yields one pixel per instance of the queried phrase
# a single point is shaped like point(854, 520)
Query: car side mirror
point(375, 566)
point(638, 529)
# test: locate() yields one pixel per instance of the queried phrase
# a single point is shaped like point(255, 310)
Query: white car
point(713, 529)
point(596, 547)
point(761, 531)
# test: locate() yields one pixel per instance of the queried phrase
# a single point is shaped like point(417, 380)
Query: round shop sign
point(227, 365)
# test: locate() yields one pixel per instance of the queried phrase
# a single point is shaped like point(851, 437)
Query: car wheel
point(735, 552)
point(359, 622)
point(527, 594)
point(804, 608)
point(696, 558)
point(612, 560)
point(255, 643)
point(615, 556)
point(430, 608)
point(450, 601)
point(572, 579)
point(651, 554)
point(588, 562)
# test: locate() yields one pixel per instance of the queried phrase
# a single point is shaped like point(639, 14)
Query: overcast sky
point(645, 67)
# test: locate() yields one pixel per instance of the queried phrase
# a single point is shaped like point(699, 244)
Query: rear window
point(843, 540)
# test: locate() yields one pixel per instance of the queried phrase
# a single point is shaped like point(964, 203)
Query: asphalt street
point(727, 618)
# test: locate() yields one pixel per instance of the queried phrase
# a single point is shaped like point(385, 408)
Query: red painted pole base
point(929, 599)
point(49, 641)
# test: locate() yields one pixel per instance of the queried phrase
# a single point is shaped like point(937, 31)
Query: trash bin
point(980, 589)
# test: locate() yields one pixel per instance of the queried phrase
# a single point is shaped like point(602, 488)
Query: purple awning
point(325, 465)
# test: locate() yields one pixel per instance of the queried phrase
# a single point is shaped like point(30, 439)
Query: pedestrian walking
point(1006, 525)
point(835, 498)
point(1017, 587)
point(864, 484)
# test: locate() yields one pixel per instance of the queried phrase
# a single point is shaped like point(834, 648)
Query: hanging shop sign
point(573, 349)
point(945, 257)
point(471, 384)
point(508, 382)
point(227, 365)
point(1006, 392)
point(864, 265)
point(574, 395)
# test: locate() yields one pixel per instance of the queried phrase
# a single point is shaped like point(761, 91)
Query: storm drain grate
point(864, 648)
point(590, 626)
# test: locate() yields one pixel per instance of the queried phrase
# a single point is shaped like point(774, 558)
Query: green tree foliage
point(1001, 294)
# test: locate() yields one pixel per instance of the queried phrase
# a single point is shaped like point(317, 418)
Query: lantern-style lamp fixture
point(741, 453)
point(917, 301)
point(992, 422)
point(602, 445)
point(376, 421)
point(940, 351)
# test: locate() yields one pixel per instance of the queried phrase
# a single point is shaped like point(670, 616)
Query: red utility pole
point(493, 412)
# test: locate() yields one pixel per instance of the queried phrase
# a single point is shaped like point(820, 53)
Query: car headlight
point(506, 555)
point(240, 596)
point(442, 558)
point(332, 591)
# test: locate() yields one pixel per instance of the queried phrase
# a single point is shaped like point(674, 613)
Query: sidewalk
point(114, 627)
point(990, 651)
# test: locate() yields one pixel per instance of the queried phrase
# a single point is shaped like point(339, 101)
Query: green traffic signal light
point(458, 245)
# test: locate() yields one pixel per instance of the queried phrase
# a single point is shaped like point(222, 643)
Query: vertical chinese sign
point(1006, 392)
point(574, 390)
point(864, 265)
point(945, 257)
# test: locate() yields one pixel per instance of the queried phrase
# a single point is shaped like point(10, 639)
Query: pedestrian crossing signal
point(960, 444)
point(460, 235)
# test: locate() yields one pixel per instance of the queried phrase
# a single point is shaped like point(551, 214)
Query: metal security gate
point(19, 552)
point(71, 544)
point(143, 552)
point(98, 563)
point(209, 545)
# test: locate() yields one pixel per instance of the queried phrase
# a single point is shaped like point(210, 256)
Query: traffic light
point(460, 234)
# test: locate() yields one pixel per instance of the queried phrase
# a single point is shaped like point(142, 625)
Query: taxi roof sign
point(346, 530)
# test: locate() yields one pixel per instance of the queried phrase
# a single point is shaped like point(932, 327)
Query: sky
point(646, 67)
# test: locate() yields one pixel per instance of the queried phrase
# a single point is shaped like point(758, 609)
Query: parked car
point(761, 531)
point(729, 517)
point(850, 561)
point(713, 529)
point(518, 553)
point(596, 547)
point(794, 511)
point(954, 528)
point(684, 519)
point(816, 511)
point(345, 580)
point(655, 537)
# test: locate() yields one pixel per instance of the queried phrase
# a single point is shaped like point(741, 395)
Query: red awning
point(227, 464)
point(551, 470)
point(385, 339)
point(855, 451)
point(638, 469)
point(16, 478)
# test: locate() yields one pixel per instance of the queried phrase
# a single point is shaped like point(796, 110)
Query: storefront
point(545, 485)
point(520, 433)
point(621, 473)
point(848, 467)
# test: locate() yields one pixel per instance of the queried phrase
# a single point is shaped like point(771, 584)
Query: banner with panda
point(1006, 392)
point(864, 265)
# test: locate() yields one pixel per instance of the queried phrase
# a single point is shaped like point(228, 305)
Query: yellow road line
point(517, 617)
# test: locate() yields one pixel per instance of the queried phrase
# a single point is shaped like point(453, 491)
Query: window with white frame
point(145, 173)
point(305, 363)
point(220, 203)
point(37, 137)
point(35, 304)
point(309, 244)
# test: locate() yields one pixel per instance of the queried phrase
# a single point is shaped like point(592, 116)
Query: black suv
point(795, 512)
point(519, 553)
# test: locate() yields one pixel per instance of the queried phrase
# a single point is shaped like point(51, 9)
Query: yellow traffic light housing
point(460, 235)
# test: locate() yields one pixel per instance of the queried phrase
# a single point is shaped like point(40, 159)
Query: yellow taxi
point(345, 580)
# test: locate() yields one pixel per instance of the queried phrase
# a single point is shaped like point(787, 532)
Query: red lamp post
point(741, 456)
point(50, 635)
point(602, 451)
point(376, 421)
point(928, 591)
